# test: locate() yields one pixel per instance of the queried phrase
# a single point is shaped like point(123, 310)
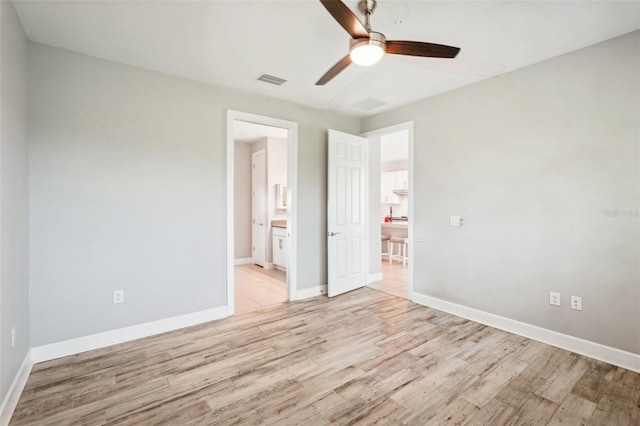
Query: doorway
point(261, 211)
point(391, 210)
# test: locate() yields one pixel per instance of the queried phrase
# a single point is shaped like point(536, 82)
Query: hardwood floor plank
point(535, 411)
point(491, 382)
point(574, 411)
point(365, 357)
point(594, 381)
point(560, 383)
point(493, 413)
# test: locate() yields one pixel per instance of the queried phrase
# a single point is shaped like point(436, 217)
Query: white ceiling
point(231, 43)
point(252, 132)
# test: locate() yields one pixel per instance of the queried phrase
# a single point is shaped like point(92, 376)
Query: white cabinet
point(387, 182)
point(390, 181)
point(280, 247)
point(401, 179)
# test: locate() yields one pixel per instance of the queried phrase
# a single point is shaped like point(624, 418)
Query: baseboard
point(243, 261)
point(372, 278)
point(12, 397)
point(608, 354)
point(121, 335)
point(269, 266)
point(311, 292)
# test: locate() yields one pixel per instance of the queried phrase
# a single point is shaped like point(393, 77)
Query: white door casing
point(346, 213)
point(258, 207)
point(292, 200)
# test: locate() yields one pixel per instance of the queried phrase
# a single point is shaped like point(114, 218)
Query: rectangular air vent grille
point(369, 104)
point(271, 79)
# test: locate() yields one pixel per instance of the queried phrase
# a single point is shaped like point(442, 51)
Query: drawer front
point(279, 232)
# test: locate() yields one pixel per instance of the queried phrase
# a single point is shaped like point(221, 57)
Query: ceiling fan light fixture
point(367, 51)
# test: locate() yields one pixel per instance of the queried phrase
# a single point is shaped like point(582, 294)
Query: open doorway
point(260, 211)
point(390, 261)
point(261, 173)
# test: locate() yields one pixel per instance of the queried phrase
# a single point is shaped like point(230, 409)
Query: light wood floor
point(394, 279)
point(361, 358)
point(256, 287)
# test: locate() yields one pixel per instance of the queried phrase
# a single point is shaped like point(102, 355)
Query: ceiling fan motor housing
point(375, 39)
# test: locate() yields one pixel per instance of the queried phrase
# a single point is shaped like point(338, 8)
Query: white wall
point(14, 288)
point(533, 160)
point(242, 200)
point(127, 181)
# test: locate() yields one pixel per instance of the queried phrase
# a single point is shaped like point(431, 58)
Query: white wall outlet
point(13, 337)
point(455, 220)
point(576, 303)
point(554, 298)
point(118, 296)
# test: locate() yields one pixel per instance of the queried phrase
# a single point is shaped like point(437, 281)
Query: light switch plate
point(455, 220)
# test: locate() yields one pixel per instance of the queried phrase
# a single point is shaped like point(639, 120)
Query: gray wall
point(127, 191)
point(14, 269)
point(533, 160)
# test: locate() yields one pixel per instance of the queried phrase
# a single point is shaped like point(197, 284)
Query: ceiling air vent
point(271, 79)
point(369, 104)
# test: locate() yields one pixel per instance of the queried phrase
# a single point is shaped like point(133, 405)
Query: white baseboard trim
point(608, 354)
point(311, 292)
point(10, 400)
point(372, 278)
point(121, 335)
point(269, 266)
point(243, 261)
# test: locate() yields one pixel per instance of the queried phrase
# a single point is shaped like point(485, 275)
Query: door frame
point(408, 126)
point(292, 199)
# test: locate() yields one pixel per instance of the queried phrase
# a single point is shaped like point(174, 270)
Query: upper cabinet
point(401, 179)
point(394, 185)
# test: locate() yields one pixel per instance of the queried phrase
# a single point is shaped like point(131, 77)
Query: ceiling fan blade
point(418, 48)
point(335, 70)
point(345, 18)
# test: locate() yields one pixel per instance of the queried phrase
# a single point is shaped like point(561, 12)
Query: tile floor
point(394, 279)
point(257, 287)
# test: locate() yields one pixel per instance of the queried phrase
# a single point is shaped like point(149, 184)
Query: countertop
point(279, 223)
point(396, 224)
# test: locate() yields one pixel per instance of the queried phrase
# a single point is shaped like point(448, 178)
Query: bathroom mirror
point(281, 196)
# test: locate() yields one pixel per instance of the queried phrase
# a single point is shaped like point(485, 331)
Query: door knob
point(331, 234)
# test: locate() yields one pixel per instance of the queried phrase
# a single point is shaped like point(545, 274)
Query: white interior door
point(259, 207)
point(346, 230)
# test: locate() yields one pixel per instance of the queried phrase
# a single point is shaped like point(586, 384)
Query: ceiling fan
point(367, 47)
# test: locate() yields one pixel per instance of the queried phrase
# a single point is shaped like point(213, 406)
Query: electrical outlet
point(576, 303)
point(554, 298)
point(118, 296)
point(13, 337)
